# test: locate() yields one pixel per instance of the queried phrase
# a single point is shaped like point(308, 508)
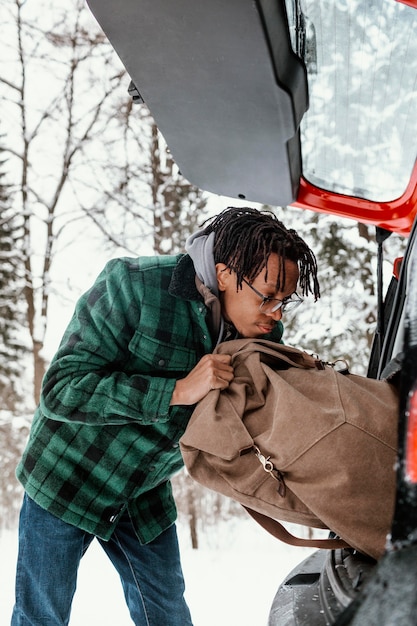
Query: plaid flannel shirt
point(104, 437)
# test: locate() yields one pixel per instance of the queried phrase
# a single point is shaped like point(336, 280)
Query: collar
point(182, 283)
point(186, 284)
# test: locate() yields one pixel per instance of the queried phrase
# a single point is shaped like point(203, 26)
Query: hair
point(245, 238)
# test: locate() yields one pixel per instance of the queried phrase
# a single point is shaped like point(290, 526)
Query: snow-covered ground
point(231, 580)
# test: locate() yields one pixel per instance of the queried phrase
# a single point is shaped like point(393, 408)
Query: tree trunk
point(39, 369)
point(192, 518)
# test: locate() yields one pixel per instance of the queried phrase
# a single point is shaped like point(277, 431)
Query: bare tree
point(77, 151)
point(142, 198)
point(46, 72)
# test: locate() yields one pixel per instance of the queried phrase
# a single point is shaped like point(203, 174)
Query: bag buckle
point(266, 463)
point(340, 365)
point(271, 470)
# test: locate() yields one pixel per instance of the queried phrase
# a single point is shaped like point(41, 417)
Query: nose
point(276, 315)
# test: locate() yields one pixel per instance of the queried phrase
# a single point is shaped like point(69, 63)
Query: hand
point(213, 371)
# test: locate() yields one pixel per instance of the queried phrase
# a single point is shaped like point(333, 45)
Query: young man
point(134, 360)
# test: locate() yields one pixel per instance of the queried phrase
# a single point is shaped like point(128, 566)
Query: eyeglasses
point(270, 305)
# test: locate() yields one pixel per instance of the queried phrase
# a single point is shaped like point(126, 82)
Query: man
point(134, 360)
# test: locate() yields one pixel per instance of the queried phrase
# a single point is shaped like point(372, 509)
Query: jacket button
point(161, 362)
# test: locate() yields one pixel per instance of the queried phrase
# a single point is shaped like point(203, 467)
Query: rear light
point(411, 447)
point(396, 267)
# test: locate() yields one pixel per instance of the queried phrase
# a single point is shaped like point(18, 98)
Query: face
point(241, 307)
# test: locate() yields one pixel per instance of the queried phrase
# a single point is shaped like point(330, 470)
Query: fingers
point(222, 372)
point(213, 371)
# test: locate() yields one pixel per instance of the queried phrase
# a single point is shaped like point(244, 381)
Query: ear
point(223, 276)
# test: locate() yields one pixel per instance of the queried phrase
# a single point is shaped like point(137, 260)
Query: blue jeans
point(50, 551)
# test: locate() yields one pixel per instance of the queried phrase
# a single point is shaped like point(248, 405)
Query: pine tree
point(13, 430)
point(12, 312)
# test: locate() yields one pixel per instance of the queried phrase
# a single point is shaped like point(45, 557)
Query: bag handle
point(279, 532)
point(278, 353)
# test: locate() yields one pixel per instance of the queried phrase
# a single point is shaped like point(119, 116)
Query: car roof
point(303, 102)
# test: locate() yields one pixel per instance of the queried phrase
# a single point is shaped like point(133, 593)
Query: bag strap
point(279, 532)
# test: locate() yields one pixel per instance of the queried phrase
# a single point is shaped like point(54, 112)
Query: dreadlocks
point(246, 237)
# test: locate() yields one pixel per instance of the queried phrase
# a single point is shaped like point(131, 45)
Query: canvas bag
point(294, 440)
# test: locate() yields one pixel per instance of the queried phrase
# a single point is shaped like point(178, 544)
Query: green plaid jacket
point(104, 437)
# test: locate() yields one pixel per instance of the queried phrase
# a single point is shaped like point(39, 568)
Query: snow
point(231, 580)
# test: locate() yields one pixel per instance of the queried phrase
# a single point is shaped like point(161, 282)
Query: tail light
point(411, 439)
point(397, 265)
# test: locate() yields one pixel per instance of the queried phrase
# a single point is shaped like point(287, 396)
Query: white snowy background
point(231, 580)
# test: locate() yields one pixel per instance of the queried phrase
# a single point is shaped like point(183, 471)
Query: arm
point(93, 378)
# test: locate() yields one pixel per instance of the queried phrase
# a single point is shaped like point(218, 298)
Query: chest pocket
point(152, 355)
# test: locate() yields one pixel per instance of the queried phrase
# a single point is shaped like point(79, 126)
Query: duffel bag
point(295, 440)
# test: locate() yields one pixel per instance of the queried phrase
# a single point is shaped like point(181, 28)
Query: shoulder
point(143, 270)
point(136, 265)
point(125, 281)
point(154, 279)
